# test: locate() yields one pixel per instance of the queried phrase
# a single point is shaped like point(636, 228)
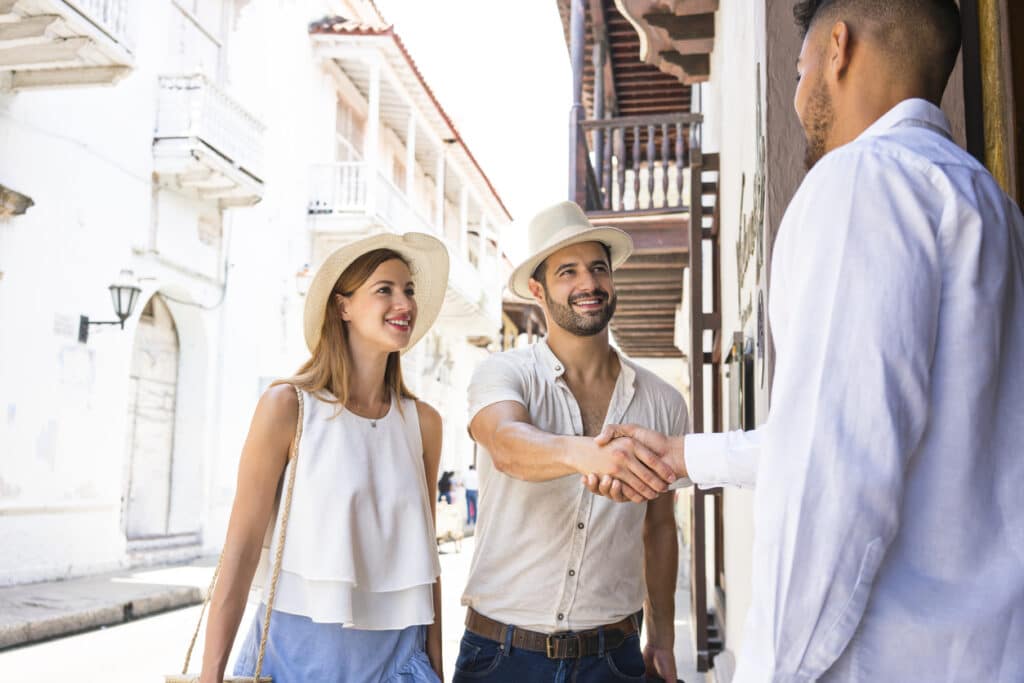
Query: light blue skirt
point(302, 651)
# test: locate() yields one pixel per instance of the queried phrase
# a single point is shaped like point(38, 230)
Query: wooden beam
point(28, 31)
point(51, 78)
point(645, 276)
point(29, 56)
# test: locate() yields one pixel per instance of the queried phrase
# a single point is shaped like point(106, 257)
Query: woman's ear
point(341, 301)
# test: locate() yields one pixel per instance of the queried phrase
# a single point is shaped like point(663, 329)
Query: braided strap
point(293, 455)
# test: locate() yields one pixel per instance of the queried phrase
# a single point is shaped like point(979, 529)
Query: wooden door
point(151, 408)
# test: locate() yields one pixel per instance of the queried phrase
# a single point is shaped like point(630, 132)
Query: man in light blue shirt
point(889, 542)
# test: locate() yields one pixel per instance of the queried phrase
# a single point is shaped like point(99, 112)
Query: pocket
point(626, 662)
point(478, 657)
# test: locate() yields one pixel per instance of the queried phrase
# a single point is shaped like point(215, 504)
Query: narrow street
point(148, 648)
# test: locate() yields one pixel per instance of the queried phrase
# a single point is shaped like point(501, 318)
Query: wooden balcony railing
point(637, 163)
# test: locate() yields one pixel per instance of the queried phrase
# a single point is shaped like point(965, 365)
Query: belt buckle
point(552, 641)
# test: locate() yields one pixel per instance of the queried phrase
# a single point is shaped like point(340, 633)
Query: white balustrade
point(109, 15)
point(338, 188)
point(194, 107)
point(343, 188)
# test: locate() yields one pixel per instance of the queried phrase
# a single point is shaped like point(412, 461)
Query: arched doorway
point(152, 396)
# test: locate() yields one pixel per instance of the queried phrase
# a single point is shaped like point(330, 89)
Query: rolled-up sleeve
point(498, 378)
point(849, 405)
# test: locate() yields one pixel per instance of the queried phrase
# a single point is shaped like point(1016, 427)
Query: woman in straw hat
point(358, 594)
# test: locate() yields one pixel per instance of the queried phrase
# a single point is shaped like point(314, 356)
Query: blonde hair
point(329, 367)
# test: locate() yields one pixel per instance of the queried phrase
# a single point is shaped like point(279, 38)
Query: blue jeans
point(471, 506)
point(481, 659)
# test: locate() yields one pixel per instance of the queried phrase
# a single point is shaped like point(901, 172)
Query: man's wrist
point(676, 456)
point(571, 452)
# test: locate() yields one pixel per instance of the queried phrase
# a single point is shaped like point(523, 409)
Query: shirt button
point(561, 616)
point(572, 572)
point(558, 368)
point(580, 525)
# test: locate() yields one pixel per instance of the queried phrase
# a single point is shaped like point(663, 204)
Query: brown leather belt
point(554, 645)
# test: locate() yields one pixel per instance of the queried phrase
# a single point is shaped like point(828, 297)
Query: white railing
point(394, 207)
point(194, 107)
point(338, 188)
point(111, 16)
point(343, 187)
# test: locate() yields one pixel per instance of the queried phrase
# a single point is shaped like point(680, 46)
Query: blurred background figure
point(472, 483)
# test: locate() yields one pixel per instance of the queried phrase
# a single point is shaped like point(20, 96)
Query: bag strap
point(293, 455)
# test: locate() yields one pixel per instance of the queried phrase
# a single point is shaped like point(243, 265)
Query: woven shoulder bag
point(185, 677)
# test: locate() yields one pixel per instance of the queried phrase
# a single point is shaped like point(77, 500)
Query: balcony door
point(197, 32)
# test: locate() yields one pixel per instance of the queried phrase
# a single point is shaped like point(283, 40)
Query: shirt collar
point(914, 109)
point(547, 358)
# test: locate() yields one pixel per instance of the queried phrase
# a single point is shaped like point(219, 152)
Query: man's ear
point(341, 301)
point(838, 52)
point(537, 291)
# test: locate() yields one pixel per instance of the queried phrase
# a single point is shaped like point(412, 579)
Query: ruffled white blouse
point(360, 549)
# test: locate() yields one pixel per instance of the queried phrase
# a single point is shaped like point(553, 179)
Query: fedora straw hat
point(557, 227)
point(428, 262)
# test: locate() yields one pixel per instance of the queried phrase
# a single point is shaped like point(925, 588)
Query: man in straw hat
point(560, 577)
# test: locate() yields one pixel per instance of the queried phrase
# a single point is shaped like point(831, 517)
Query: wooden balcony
point(206, 144)
point(637, 178)
point(53, 43)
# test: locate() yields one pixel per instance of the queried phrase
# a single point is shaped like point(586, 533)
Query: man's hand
point(643, 473)
point(670, 450)
point(660, 662)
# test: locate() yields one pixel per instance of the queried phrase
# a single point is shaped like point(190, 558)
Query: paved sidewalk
point(40, 611)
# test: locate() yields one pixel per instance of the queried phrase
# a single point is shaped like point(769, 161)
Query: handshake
point(629, 463)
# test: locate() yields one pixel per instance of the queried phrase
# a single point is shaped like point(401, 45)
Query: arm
point(520, 450)
point(262, 463)
point(661, 565)
point(850, 403)
point(431, 430)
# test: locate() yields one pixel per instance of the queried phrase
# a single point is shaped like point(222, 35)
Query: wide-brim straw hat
point(428, 262)
point(560, 226)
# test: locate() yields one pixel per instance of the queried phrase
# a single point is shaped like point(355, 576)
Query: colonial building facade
point(218, 150)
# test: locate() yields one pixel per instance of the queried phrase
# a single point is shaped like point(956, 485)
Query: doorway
point(152, 397)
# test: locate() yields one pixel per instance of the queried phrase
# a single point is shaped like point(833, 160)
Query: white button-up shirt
point(550, 556)
point(889, 513)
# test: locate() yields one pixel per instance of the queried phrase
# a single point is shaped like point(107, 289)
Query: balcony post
point(464, 222)
point(599, 134)
point(577, 153)
point(371, 145)
point(410, 160)
point(439, 209)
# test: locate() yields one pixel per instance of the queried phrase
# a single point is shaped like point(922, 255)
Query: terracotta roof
point(342, 26)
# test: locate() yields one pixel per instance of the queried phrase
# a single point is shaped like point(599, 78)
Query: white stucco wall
point(84, 155)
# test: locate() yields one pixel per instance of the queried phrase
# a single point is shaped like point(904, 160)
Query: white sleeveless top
point(360, 549)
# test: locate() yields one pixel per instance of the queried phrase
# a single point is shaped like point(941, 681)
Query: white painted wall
point(84, 155)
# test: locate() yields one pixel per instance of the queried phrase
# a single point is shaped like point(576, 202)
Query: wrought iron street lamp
point(123, 293)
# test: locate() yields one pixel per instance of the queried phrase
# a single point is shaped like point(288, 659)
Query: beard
point(821, 118)
point(582, 324)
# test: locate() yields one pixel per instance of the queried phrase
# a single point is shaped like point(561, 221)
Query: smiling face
point(577, 291)
point(382, 311)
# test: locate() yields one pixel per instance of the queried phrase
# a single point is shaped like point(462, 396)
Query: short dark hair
point(919, 33)
point(540, 273)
